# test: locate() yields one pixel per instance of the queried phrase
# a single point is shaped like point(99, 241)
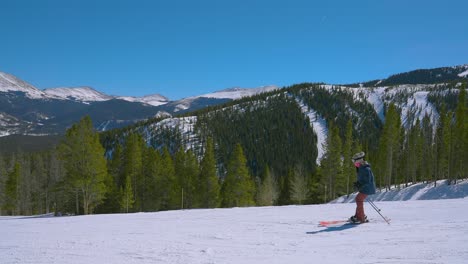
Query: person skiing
point(365, 185)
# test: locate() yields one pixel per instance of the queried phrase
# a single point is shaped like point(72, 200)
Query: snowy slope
point(185, 125)
point(319, 124)
point(417, 103)
point(88, 94)
point(237, 92)
point(82, 94)
point(464, 73)
point(154, 99)
point(231, 93)
point(9, 83)
point(418, 191)
point(434, 231)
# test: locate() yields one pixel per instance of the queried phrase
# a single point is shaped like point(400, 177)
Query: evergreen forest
point(256, 151)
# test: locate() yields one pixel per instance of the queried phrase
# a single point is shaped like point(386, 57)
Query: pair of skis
point(335, 223)
point(346, 222)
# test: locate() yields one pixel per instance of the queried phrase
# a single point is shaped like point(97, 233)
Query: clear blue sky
point(184, 48)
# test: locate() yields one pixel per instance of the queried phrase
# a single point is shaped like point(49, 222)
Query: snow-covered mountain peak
point(152, 99)
point(233, 89)
point(9, 83)
point(83, 94)
point(230, 93)
point(237, 92)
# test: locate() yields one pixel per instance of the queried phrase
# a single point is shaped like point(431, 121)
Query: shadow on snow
point(333, 229)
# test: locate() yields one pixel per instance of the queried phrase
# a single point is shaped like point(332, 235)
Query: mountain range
point(27, 110)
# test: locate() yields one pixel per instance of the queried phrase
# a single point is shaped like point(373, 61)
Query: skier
point(365, 185)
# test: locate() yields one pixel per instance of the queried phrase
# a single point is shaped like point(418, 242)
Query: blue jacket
point(366, 179)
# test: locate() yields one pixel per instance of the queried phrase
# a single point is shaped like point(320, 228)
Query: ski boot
point(353, 219)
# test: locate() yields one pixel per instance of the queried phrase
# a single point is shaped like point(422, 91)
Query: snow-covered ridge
point(416, 104)
point(154, 99)
point(88, 94)
point(9, 83)
point(83, 94)
point(231, 93)
point(237, 92)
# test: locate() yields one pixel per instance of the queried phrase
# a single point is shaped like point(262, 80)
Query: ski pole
point(377, 210)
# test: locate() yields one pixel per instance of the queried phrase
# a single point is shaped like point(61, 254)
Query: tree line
point(77, 178)
point(421, 152)
point(259, 151)
point(424, 151)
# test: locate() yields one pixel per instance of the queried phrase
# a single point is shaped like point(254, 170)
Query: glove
point(356, 185)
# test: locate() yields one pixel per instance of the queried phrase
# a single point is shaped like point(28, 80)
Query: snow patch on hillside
point(319, 125)
point(418, 102)
point(184, 124)
point(463, 74)
point(375, 98)
point(416, 105)
point(418, 191)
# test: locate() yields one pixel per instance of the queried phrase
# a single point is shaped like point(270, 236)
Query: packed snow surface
point(421, 231)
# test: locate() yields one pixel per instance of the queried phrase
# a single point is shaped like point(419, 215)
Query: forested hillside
point(260, 150)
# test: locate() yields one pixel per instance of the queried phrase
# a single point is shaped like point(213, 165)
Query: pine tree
point(151, 174)
point(85, 163)
point(3, 177)
point(285, 189)
point(115, 166)
point(127, 201)
point(186, 170)
point(25, 186)
point(427, 160)
point(113, 182)
point(332, 167)
point(299, 186)
point(460, 147)
point(167, 185)
point(389, 146)
point(11, 190)
point(208, 194)
point(414, 155)
point(443, 144)
point(57, 174)
point(133, 166)
point(238, 186)
point(39, 180)
point(348, 168)
point(268, 189)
